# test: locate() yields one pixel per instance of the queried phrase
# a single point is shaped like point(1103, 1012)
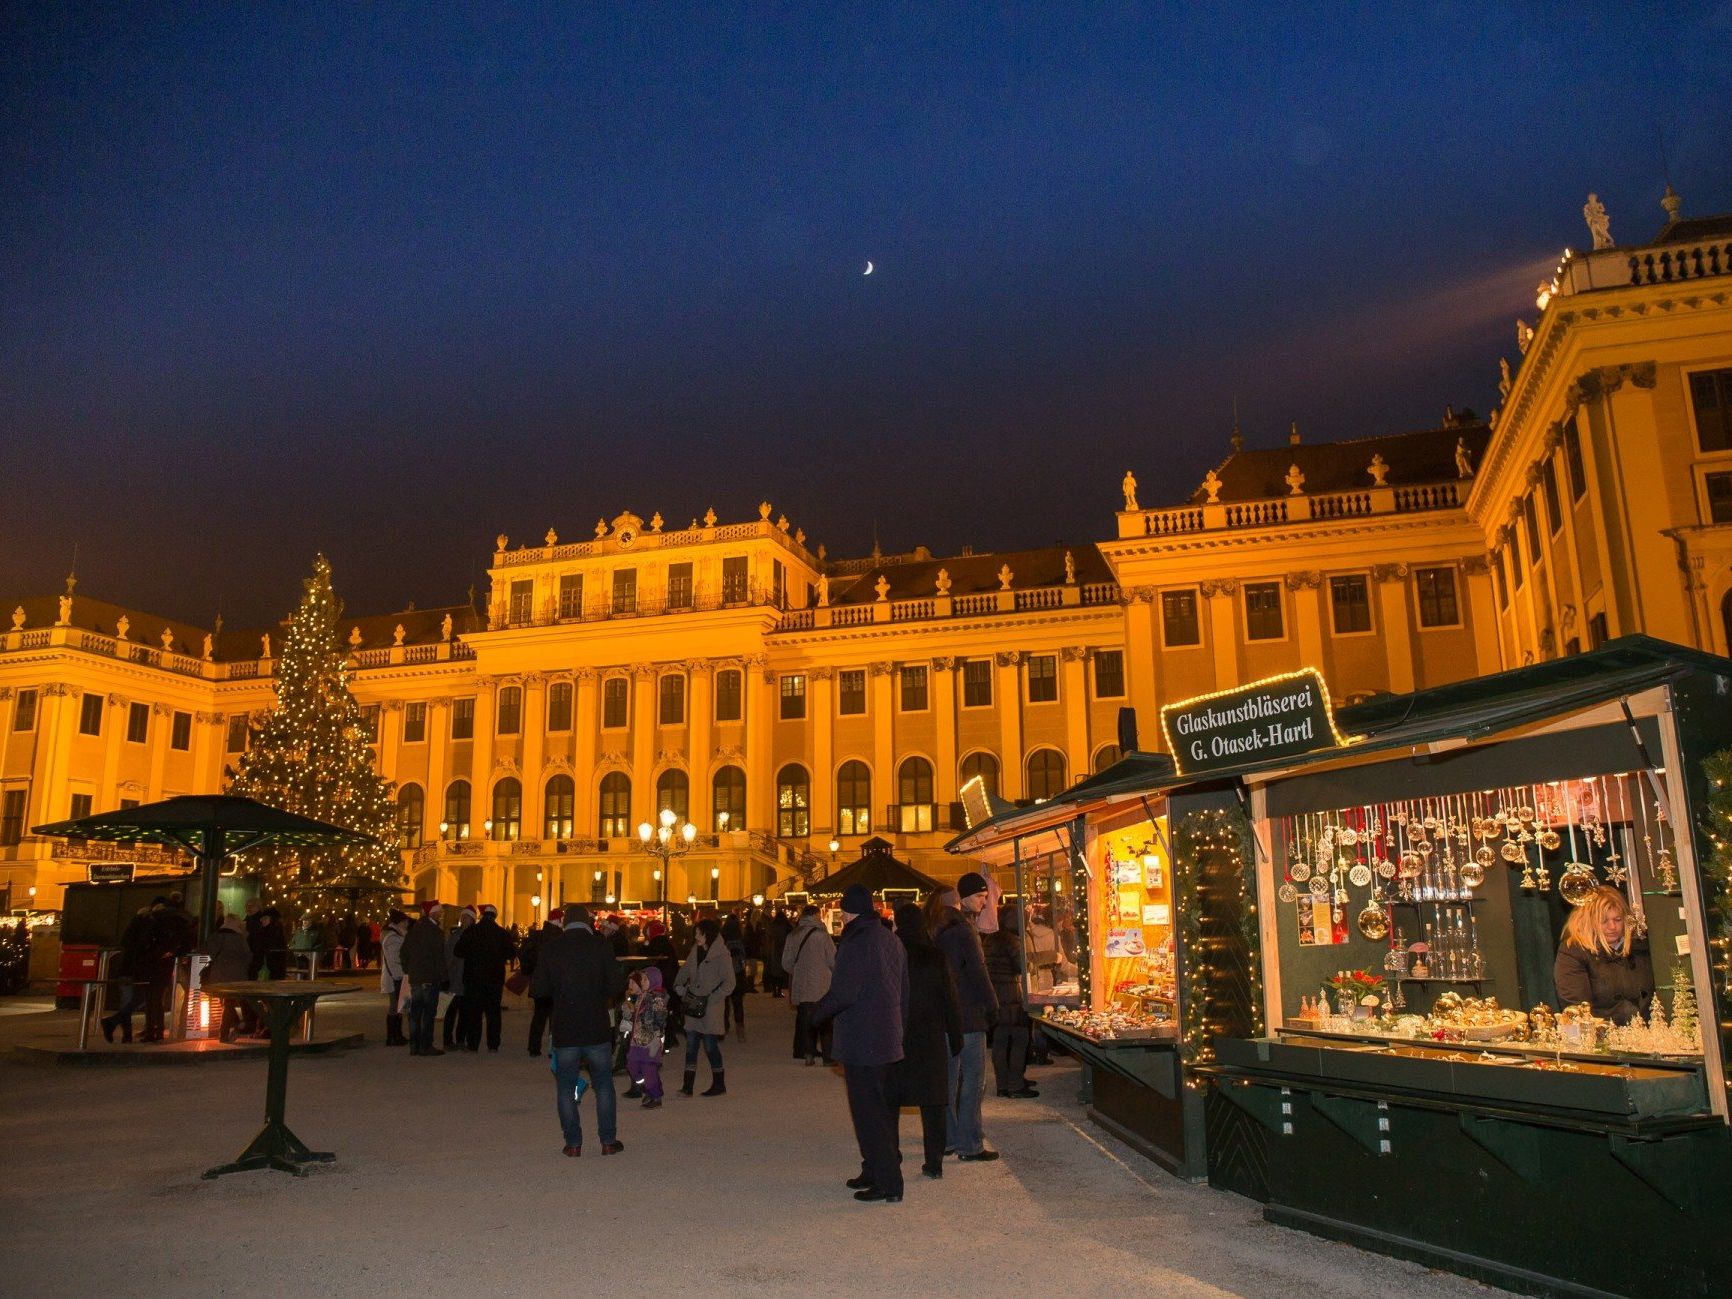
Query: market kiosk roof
point(1461, 711)
point(878, 869)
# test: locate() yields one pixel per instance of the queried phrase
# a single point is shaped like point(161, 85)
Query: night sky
point(277, 279)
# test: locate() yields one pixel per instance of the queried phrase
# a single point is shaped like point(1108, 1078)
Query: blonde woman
point(1602, 962)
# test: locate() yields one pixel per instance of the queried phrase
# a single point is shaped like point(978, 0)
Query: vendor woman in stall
point(1602, 962)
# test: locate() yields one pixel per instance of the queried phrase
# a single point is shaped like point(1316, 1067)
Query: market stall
point(1494, 920)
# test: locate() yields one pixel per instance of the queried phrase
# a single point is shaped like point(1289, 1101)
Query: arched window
point(793, 802)
point(510, 710)
point(674, 793)
point(410, 807)
point(1106, 755)
point(854, 798)
point(456, 825)
point(914, 794)
point(983, 765)
point(561, 798)
point(730, 799)
point(507, 809)
point(615, 806)
point(1045, 773)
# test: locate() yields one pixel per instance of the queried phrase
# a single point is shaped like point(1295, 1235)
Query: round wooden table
point(282, 1001)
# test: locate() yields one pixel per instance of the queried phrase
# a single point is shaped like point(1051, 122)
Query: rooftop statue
point(1129, 487)
point(1599, 224)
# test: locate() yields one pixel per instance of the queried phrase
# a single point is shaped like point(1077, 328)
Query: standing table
point(282, 1001)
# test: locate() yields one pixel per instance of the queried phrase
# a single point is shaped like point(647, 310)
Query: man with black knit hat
point(577, 974)
point(958, 939)
point(485, 949)
point(868, 999)
point(424, 966)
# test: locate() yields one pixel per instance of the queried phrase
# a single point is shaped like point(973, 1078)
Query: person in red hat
point(527, 961)
point(424, 965)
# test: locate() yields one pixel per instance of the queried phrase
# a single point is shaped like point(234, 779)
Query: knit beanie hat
point(857, 901)
point(970, 884)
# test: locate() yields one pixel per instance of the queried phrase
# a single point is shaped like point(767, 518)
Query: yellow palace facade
point(792, 705)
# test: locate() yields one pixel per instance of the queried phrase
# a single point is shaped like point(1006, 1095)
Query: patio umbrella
point(210, 827)
point(878, 870)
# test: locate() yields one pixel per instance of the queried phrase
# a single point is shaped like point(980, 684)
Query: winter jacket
point(454, 962)
point(390, 959)
point(1003, 953)
point(649, 1015)
point(775, 942)
point(424, 952)
point(168, 936)
point(230, 956)
point(933, 1030)
point(1617, 987)
point(708, 972)
point(485, 950)
point(133, 946)
point(809, 957)
point(868, 997)
point(959, 942)
point(576, 970)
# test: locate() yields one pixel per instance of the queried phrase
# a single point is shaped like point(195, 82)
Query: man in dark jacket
point(960, 942)
point(132, 976)
point(485, 950)
point(424, 967)
point(577, 974)
point(931, 1038)
point(868, 999)
point(169, 935)
point(527, 958)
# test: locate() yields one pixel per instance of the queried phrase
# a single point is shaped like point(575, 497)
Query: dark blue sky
point(386, 283)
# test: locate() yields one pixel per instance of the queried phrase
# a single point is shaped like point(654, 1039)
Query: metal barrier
point(90, 996)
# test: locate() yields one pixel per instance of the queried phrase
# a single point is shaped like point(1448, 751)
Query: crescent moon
point(868, 269)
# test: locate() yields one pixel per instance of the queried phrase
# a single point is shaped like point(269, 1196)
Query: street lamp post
point(670, 838)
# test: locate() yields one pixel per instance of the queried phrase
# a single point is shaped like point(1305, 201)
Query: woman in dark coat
point(931, 1035)
point(1010, 1034)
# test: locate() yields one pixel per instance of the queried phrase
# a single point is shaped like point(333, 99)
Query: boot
point(109, 1024)
point(394, 1031)
point(718, 1084)
point(686, 1086)
point(634, 1092)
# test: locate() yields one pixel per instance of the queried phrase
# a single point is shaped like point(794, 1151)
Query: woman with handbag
point(702, 986)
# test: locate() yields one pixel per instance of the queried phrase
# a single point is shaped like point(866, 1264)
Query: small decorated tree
point(312, 757)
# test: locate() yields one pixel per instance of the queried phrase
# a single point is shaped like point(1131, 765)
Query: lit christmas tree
point(312, 757)
point(1685, 1018)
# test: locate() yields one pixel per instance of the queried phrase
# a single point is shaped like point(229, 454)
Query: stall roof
point(878, 870)
point(1462, 710)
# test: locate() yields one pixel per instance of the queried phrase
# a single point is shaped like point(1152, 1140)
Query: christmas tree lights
point(312, 756)
point(1717, 865)
point(1203, 842)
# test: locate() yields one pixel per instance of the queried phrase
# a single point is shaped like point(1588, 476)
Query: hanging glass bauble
point(1577, 883)
point(1319, 886)
point(1512, 852)
point(1359, 875)
point(1486, 856)
point(1299, 871)
point(1287, 893)
point(1488, 828)
point(1347, 837)
point(1411, 862)
point(1550, 840)
point(1373, 924)
point(1386, 869)
point(1471, 874)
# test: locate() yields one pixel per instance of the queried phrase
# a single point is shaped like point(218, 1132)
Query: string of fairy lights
point(1201, 838)
point(313, 756)
point(1717, 818)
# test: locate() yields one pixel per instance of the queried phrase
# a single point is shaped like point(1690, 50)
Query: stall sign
point(1279, 717)
point(110, 872)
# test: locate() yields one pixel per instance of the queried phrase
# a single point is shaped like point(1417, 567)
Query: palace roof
point(1427, 456)
point(971, 574)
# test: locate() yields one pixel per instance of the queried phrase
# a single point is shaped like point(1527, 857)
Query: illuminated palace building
point(784, 702)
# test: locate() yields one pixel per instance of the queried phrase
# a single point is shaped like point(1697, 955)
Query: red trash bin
point(77, 961)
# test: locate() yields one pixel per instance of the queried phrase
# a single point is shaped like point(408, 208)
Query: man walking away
point(424, 967)
point(576, 973)
point(527, 962)
point(809, 956)
point(868, 999)
point(454, 975)
point(958, 939)
point(391, 975)
point(485, 950)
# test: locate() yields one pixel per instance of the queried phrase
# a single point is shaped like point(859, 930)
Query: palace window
point(410, 805)
point(1350, 603)
point(734, 588)
point(414, 723)
point(571, 595)
point(977, 683)
point(463, 719)
point(1516, 568)
point(180, 732)
point(1598, 632)
point(728, 791)
point(137, 723)
point(1109, 674)
point(615, 806)
point(1719, 497)
point(81, 804)
point(1179, 624)
point(12, 817)
point(674, 793)
point(730, 686)
point(236, 739)
point(793, 701)
point(1500, 580)
point(559, 799)
point(914, 681)
point(851, 692)
point(510, 710)
point(559, 706)
point(914, 795)
point(680, 586)
point(456, 810)
point(1554, 504)
point(1042, 678)
point(1573, 460)
point(90, 715)
point(983, 765)
point(1711, 396)
point(1045, 773)
point(1106, 755)
point(1531, 521)
point(625, 590)
point(778, 584)
point(24, 711)
point(522, 611)
point(1436, 587)
point(1263, 611)
point(671, 706)
point(615, 702)
point(793, 802)
point(370, 723)
point(854, 798)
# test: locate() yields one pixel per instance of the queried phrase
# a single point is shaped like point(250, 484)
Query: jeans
point(423, 1013)
point(712, 1045)
point(967, 1087)
point(568, 1065)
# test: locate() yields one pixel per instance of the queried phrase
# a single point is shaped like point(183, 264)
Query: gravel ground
point(449, 1181)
